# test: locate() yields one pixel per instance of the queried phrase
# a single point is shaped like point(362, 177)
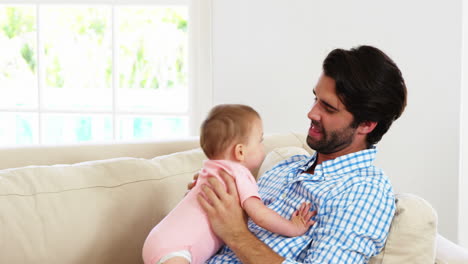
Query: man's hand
point(229, 222)
point(222, 206)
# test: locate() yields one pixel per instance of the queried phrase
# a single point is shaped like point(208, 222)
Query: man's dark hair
point(370, 85)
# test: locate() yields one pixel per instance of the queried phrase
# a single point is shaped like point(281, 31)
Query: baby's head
point(233, 132)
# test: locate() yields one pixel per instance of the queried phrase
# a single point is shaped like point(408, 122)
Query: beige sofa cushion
point(412, 234)
point(92, 212)
point(413, 230)
point(277, 155)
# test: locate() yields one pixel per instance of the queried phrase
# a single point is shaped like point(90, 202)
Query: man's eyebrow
point(329, 105)
point(326, 103)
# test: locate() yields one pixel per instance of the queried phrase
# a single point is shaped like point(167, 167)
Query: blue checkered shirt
point(355, 205)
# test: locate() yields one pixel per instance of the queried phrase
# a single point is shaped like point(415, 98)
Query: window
point(93, 72)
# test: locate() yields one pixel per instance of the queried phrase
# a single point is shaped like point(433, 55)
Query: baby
point(232, 139)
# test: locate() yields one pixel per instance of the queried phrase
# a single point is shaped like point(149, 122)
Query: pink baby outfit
point(186, 227)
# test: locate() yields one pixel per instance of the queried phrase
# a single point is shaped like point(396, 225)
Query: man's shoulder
point(286, 166)
point(370, 178)
point(295, 160)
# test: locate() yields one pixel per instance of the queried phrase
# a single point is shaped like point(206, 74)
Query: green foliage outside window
point(150, 63)
point(15, 23)
point(148, 68)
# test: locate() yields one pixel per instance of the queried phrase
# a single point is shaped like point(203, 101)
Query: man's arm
point(229, 222)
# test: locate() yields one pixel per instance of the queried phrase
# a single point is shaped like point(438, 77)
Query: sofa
point(96, 203)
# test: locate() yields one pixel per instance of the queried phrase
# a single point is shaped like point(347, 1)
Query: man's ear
point(366, 127)
point(239, 152)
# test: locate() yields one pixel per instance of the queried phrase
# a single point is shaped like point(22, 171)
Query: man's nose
point(313, 113)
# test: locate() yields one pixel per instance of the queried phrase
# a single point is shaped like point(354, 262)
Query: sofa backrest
point(70, 154)
point(93, 212)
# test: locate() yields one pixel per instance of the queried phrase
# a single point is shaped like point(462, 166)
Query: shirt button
point(283, 196)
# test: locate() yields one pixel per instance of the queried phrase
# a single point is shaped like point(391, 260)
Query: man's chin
point(317, 145)
point(312, 143)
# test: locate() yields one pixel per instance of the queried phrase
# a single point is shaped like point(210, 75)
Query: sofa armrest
point(448, 252)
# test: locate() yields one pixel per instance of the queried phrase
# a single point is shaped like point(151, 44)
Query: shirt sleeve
point(352, 225)
point(246, 185)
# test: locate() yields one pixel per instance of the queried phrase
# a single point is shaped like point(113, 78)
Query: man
point(358, 96)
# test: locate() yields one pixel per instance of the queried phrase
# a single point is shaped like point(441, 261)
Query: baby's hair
point(226, 124)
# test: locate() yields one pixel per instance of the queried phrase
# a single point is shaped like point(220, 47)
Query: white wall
point(268, 53)
point(463, 181)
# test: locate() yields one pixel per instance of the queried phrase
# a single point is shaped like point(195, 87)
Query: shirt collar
point(340, 165)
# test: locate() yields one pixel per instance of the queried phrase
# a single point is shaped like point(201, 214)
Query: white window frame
point(200, 62)
point(200, 84)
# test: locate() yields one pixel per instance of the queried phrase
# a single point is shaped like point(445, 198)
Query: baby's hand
point(301, 218)
point(192, 184)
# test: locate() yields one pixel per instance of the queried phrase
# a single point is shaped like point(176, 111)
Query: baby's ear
point(239, 152)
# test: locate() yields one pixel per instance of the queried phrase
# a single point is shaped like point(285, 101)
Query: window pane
point(147, 127)
point(18, 129)
point(78, 57)
point(18, 57)
point(73, 128)
point(152, 59)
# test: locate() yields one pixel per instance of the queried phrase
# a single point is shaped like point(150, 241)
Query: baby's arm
point(272, 221)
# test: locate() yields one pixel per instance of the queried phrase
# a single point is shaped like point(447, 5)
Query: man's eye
point(329, 110)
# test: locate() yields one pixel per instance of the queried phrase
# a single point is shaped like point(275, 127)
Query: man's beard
point(332, 141)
